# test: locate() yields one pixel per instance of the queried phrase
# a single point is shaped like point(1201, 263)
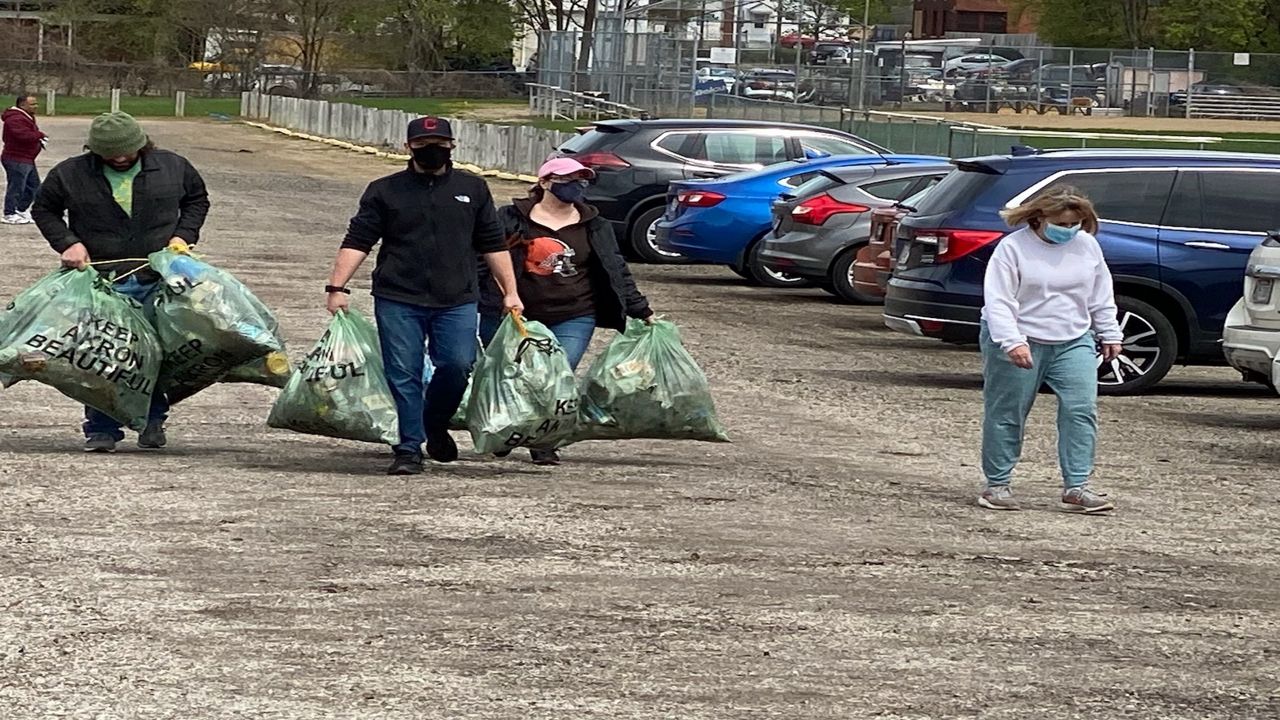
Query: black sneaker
point(406, 464)
point(441, 447)
point(152, 438)
point(100, 443)
point(545, 458)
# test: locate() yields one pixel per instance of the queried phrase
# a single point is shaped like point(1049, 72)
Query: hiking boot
point(152, 438)
point(406, 464)
point(545, 458)
point(998, 497)
point(1085, 500)
point(441, 447)
point(100, 443)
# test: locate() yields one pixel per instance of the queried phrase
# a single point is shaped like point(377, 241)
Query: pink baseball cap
point(565, 167)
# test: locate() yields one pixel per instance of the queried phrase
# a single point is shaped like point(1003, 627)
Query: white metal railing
point(553, 102)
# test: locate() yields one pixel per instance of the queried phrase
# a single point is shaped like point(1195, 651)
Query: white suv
point(1251, 339)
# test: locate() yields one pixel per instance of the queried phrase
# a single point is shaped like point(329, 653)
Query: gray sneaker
point(998, 497)
point(1085, 500)
point(100, 443)
point(153, 438)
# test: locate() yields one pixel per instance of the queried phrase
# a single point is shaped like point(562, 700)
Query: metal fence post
point(1151, 79)
point(115, 100)
point(1191, 71)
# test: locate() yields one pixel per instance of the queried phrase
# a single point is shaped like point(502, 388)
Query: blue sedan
point(722, 221)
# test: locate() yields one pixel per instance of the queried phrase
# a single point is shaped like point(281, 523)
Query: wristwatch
point(336, 289)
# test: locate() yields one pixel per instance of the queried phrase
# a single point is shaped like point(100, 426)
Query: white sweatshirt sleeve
point(1000, 295)
point(1102, 305)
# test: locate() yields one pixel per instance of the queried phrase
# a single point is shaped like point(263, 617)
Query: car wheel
point(842, 280)
point(1150, 349)
point(761, 274)
point(644, 238)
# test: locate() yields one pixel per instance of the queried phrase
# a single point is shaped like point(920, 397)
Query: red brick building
point(935, 18)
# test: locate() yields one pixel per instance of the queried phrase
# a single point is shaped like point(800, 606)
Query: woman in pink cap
point(570, 273)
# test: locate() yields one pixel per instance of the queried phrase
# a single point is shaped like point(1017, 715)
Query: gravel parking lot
point(828, 564)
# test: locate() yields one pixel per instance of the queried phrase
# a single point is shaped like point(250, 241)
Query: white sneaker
point(13, 220)
point(26, 215)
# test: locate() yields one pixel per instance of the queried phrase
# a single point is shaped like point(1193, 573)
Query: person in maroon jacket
point(23, 142)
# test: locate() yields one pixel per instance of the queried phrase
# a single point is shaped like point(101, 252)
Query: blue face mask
point(1060, 234)
point(570, 192)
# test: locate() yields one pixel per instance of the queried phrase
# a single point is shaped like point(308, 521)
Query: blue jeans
point(450, 337)
point(574, 335)
point(24, 181)
point(100, 423)
point(1070, 369)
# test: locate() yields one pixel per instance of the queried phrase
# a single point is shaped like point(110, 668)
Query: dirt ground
point(828, 564)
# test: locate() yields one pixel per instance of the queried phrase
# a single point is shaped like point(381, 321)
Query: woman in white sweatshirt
point(1048, 303)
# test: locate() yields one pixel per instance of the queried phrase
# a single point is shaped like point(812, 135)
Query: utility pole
point(584, 51)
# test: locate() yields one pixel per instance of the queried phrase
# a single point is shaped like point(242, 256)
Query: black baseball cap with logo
point(430, 127)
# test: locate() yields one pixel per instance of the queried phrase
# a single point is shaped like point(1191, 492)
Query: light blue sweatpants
point(1070, 369)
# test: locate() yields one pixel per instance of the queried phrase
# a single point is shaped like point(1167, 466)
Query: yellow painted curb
point(485, 172)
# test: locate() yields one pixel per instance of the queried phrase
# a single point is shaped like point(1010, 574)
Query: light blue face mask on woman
point(1060, 234)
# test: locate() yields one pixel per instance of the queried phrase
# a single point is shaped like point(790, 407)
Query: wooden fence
point(507, 148)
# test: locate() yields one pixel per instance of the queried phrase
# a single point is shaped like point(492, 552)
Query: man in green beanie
point(120, 201)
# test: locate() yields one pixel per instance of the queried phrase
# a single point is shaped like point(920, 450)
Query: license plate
point(1262, 290)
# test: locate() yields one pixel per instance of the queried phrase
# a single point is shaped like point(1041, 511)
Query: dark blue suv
point(1177, 229)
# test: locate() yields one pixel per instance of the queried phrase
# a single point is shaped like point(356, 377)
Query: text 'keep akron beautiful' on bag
point(340, 389)
point(73, 332)
point(523, 393)
point(208, 322)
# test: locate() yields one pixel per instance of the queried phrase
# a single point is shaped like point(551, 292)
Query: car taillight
point(698, 198)
point(817, 210)
point(602, 160)
point(954, 244)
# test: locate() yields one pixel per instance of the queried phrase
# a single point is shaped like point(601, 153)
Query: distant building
point(935, 18)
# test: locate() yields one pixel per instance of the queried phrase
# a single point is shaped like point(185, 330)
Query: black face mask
point(568, 192)
point(432, 157)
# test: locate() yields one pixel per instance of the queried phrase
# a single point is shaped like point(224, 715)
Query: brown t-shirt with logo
point(554, 281)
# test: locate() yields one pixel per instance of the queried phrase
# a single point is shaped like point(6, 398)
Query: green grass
point(434, 106)
point(147, 106)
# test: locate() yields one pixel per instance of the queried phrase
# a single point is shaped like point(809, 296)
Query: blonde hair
point(1058, 199)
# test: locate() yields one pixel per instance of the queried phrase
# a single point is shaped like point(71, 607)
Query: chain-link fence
point(675, 77)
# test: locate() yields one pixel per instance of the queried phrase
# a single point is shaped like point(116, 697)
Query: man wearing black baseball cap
point(433, 221)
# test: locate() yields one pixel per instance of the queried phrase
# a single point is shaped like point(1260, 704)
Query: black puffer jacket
point(616, 295)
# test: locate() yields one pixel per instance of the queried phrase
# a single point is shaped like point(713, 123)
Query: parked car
point(976, 61)
point(724, 221)
point(1177, 229)
point(830, 53)
point(634, 161)
point(774, 84)
point(873, 265)
point(1251, 340)
point(819, 227)
point(726, 76)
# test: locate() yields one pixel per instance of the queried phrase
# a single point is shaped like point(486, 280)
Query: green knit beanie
point(116, 134)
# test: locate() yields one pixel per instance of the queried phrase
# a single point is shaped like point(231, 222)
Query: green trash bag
point(73, 332)
point(523, 392)
point(340, 389)
point(646, 385)
point(208, 322)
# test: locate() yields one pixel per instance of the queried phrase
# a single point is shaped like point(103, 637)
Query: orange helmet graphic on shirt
point(549, 256)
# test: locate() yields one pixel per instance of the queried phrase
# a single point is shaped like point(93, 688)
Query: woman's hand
point(1111, 351)
point(1021, 356)
point(512, 301)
